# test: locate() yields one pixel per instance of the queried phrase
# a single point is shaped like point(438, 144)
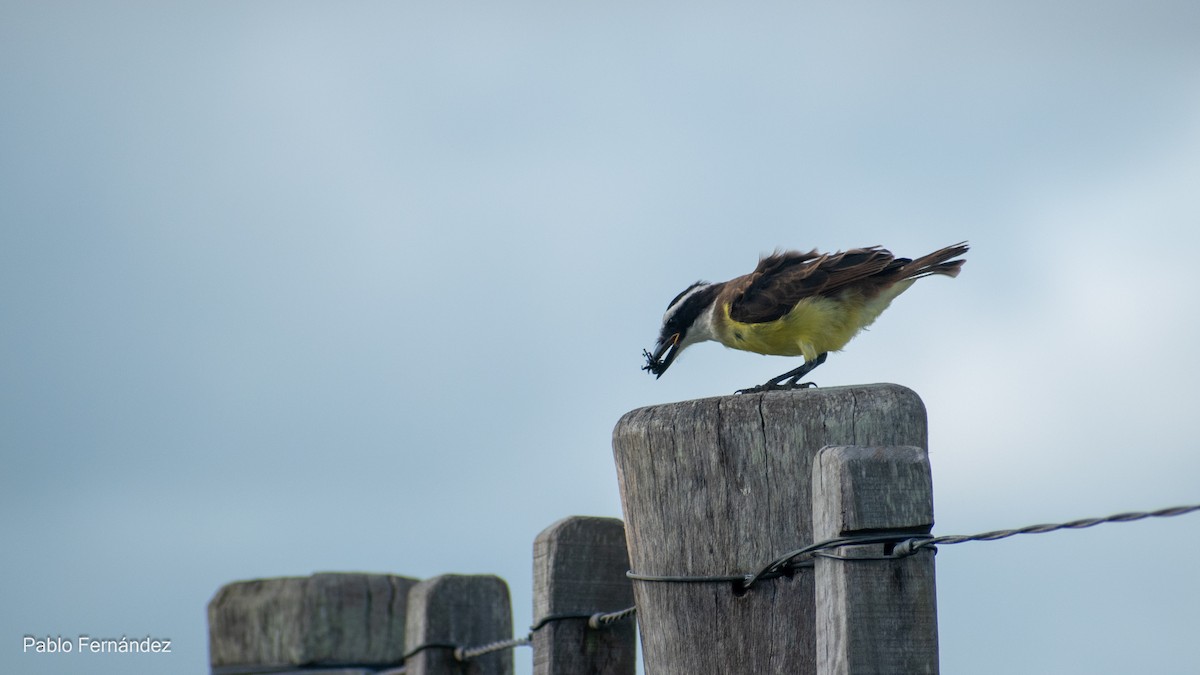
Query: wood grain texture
point(579, 566)
point(463, 610)
point(874, 616)
point(323, 619)
point(722, 486)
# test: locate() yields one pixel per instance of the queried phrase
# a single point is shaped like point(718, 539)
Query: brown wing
point(783, 279)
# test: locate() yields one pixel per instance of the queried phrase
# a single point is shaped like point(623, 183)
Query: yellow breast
point(814, 326)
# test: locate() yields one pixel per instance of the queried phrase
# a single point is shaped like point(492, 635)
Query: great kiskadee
point(794, 304)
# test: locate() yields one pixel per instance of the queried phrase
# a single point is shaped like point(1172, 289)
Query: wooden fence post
point(458, 610)
point(874, 617)
point(722, 486)
point(324, 621)
point(579, 566)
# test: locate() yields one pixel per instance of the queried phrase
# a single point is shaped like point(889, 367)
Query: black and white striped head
point(688, 320)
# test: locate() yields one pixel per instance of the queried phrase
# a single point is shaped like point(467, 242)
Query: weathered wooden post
point(874, 617)
point(353, 622)
point(722, 486)
point(579, 566)
point(454, 610)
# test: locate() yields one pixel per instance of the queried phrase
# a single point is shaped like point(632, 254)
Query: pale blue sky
point(297, 287)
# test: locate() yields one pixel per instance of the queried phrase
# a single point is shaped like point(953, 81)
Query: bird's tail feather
point(938, 262)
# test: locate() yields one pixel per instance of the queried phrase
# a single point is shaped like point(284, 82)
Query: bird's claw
point(776, 386)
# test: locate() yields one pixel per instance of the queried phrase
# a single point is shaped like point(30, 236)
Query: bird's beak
point(664, 353)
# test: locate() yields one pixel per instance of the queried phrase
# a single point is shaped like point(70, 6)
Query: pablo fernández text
point(86, 644)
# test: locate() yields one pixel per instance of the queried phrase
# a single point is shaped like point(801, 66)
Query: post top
point(846, 397)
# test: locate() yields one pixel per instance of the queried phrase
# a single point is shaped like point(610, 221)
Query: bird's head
point(688, 320)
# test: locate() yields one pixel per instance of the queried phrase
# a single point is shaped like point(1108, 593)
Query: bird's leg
point(791, 377)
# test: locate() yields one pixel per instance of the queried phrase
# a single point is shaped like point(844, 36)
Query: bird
point(794, 304)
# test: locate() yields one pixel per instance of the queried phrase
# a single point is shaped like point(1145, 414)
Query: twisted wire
point(468, 653)
point(906, 543)
point(595, 620)
point(599, 619)
point(1082, 523)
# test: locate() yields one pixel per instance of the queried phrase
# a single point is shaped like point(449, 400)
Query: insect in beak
point(664, 353)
